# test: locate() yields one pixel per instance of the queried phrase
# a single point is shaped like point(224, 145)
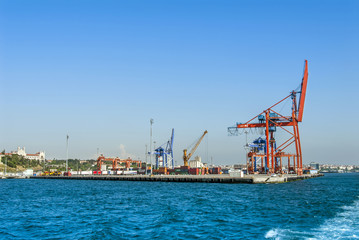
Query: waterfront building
point(196, 163)
point(40, 156)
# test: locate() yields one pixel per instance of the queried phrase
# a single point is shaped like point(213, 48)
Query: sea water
point(319, 208)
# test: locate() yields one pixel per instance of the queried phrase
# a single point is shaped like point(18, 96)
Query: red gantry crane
point(270, 120)
point(116, 161)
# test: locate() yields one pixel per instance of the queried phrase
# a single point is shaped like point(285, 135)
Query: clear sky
point(99, 70)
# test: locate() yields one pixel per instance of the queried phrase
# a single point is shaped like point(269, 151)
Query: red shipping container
point(194, 171)
point(185, 167)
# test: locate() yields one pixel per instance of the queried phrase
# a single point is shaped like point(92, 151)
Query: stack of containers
point(225, 171)
point(161, 170)
point(181, 170)
point(194, 171)
point(216, 170)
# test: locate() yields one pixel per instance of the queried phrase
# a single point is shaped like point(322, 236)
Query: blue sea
point(319, 208)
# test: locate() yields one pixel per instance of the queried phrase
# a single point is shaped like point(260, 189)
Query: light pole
point(67, 152)
point(146, 153)
point(5, 165)
point(151, 122)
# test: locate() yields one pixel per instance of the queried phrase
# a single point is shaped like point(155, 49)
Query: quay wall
point(213, 178)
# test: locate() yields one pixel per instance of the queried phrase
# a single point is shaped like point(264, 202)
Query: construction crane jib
point(186, 157)
point(266, 150)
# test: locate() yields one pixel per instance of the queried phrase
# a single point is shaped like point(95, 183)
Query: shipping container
point(194, 171)
point(225, 171)
point(182, 172)
point(216, 170)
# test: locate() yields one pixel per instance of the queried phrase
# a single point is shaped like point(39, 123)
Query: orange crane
point(129, 161)
point(101, 159)
point(271, 120)
point(116, 161)
point(187, 157)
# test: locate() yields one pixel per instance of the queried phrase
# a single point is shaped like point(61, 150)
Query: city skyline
point(99, 71)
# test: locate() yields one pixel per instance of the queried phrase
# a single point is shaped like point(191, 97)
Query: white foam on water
point(344, 225)
point(279, 234)
point(271, 233)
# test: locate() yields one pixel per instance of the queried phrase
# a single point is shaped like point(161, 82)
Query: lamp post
point(151, 122)
point(146, 153)
point(5, 165)
point(67, 153)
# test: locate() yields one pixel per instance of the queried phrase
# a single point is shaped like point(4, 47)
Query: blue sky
point(99, 70)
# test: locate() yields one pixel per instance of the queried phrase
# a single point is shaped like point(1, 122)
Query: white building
point(196, 163)
point(28, 172)
point(40, 156)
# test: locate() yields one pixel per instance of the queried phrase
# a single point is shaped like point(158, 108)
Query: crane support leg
point(300, 152)
point(267, 139)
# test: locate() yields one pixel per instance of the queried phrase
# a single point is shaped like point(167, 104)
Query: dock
point(212, 178)
point(13, 177)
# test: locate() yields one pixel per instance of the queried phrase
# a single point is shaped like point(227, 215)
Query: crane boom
point(187, 157)
point(303, 92)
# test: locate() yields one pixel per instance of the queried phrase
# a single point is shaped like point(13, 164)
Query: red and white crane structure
point(270, 120)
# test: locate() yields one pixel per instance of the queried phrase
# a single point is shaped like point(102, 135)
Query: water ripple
point(64, 209)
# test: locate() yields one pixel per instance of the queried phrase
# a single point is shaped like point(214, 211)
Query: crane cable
point(284, 104)
point(192, 144)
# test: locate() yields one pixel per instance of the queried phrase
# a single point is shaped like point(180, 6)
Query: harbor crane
point(116, 161)
point(270, 121)
point(187, 157)
point(164, 156)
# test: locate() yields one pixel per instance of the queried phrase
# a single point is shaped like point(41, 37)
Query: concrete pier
point(13, 177)
point(213, 178)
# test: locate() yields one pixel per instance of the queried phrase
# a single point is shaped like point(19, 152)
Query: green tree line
point(15, 160)
point(73, 164)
